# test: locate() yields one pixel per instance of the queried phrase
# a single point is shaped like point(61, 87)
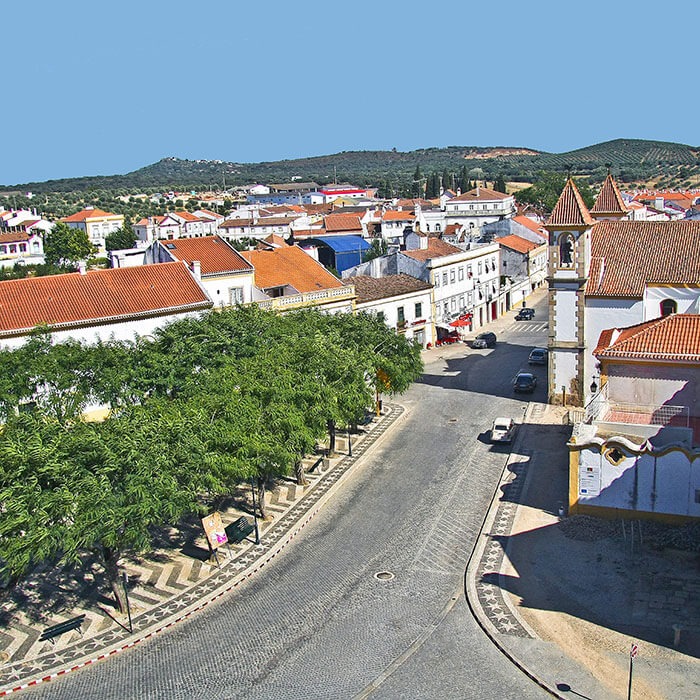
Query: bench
point(238, 530)
point(66, 626)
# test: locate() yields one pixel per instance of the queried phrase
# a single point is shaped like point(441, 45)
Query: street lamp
point(255, 512)
point(594, 386)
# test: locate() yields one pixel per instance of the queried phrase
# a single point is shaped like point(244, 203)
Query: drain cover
point(384, 575)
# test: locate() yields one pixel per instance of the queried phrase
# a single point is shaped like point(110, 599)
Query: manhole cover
point(384, 575)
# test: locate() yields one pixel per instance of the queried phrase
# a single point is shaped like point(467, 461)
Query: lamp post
point(255, 512)
point(594, 386)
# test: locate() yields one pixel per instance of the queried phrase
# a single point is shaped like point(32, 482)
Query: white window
point(460, 273)
point(452, 275)
point(235, 295)
point(453, 303)
point(444, 277)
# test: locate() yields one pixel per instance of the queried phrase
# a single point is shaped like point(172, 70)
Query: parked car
point(502, 430)
point(524, 382)
point(538, 356)
point(484, 340)
point(525, 314)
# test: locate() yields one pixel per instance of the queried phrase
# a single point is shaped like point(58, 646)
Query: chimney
point(121, 258)
point(82, 267)
point(197, 269)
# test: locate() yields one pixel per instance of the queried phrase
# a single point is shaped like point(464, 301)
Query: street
point(369, 600)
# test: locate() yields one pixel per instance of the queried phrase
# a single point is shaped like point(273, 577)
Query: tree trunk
point(299, 473)
point(261, 497)
point(111, 560)
point(331, 437)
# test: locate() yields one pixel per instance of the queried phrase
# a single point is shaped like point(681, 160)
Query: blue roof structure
point(340, 252)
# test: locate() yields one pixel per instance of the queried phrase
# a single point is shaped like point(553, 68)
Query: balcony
point(319, 298)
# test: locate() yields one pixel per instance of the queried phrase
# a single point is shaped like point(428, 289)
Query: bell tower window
point(668, 307)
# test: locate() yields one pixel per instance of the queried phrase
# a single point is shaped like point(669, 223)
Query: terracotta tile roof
point(292, 266)
point(531, 224)
point(342, 222)
point(675, 337)
point(248, 223)
point(570, 209)
point(215, 255)
point(14, 237)
point(393, 215)
point(375, 288)
point(518, 244)
point(626, 256)
point(437, 248)
point(98, 296)
point(480, 194)
point(186, 216)
point(609, 200)
point(86, 214)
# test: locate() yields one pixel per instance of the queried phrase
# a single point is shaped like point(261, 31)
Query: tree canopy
point(191, 411)
point(65, 245)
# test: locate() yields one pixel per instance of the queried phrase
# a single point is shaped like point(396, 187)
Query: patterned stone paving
point(171, 590)
point(488, 588)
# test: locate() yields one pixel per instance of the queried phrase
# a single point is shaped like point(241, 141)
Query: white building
point(96, 223)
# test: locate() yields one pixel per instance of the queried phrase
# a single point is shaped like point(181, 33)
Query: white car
point(502, 430)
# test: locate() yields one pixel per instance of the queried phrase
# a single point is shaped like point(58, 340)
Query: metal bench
point(238, 530)
point(66, 626)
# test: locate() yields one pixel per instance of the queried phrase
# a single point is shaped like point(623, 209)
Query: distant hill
point(632, 161)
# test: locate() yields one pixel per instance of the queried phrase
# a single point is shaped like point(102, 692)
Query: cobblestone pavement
point(170, 584)
point(565, 598)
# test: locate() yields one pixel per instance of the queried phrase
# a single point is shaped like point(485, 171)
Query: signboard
point(589, 480)
point(214, 530)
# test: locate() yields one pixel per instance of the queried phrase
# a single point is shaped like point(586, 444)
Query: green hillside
point(632, 161)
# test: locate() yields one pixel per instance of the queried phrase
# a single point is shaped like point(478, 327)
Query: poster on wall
point(589, 480)
point(214, 530)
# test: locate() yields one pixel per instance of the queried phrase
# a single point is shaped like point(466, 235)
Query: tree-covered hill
point(633, 161)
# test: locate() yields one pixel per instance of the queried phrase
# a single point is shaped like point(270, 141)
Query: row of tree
point(194, 410)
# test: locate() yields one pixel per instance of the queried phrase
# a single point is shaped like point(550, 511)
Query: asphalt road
point(317, 622)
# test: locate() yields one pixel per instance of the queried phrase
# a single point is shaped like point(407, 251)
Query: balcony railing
point(308, 298)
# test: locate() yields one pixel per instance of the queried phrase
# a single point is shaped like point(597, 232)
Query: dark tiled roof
point(374, 288)
point(570, 209)
point(628, 255)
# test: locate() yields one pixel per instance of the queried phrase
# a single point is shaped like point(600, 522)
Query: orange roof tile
point(289, 265)
point(675, 337)
point(609, 200)
point(531, 224)
point(342, 222)
point(437, 248)
point(626, 256)
point(14, 237)
point(570, 209)
point(480, 194)
point(393, 215)
point(215, 255)
point(518, 244)
point(98, 296)
point(186, 216)
point(86, 214)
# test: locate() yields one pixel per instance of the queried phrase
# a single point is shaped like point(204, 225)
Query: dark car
point(525, 314)
point(538, 356)
point(484, 340)
point(524, 382)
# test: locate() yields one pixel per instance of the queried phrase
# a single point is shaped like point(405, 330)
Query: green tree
point(544, 192)
point(65, 246)
point(377, 248)
point(417, 183)
point(500, 184)
point(123, 237)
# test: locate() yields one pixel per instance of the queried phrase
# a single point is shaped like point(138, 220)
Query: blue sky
point(106, 88)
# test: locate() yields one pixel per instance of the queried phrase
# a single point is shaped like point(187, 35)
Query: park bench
point(66, 626)
point(238, 530)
